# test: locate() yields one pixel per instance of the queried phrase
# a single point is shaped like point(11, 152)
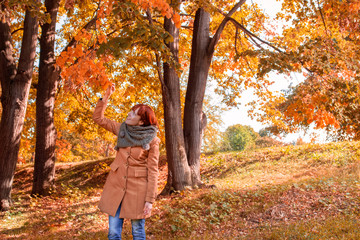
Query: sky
point(240, 116)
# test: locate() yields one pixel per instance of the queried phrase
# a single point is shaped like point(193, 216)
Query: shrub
point(263, 142)
point(239, 137)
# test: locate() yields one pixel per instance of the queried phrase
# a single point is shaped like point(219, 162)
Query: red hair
point(146, 113)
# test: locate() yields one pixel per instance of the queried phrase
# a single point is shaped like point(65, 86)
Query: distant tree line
point(242, 137)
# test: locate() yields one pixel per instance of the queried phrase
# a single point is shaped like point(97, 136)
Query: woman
point(130, 188)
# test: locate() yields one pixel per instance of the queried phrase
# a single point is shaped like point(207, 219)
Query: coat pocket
point(141, 173)
point(114, 166)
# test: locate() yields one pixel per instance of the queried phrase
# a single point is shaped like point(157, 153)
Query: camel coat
point(133, 177)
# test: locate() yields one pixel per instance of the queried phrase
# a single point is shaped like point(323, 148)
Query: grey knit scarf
point(131, 136)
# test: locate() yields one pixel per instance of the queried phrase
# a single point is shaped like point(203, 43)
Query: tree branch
point(322, 16)
point(90, 24)
point(158, 63)
point(221, 27)
point(81, 104)
point(253, 36)
point(187, 27)
point(15, 31)
point(242, 47)
point(247, 32)
point(236, 36)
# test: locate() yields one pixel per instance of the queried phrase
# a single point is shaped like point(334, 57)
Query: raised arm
point(110, 90)
point(98, 115)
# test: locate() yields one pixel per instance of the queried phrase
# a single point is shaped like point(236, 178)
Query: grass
point(295, 192)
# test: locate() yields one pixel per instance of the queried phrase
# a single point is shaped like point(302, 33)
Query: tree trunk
point(175, 147)
point(203, 124)
point(15, 85)
point(44, 168)
point(202, 51)
point(199, 68)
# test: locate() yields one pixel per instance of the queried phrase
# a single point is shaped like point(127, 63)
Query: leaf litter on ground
point(295, 192)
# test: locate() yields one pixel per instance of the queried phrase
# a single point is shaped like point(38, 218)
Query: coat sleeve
point(153, 170)
point(98, 117)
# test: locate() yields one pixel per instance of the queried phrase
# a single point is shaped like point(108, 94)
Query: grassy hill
point(295, 192)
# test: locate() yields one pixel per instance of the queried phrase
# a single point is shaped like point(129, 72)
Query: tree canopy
point(165, 54)
point(321, 42)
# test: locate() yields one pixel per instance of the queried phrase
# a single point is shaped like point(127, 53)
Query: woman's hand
point(110, 90)
point(147, 208)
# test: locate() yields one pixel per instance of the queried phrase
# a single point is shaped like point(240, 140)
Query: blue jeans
point(116, 224)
